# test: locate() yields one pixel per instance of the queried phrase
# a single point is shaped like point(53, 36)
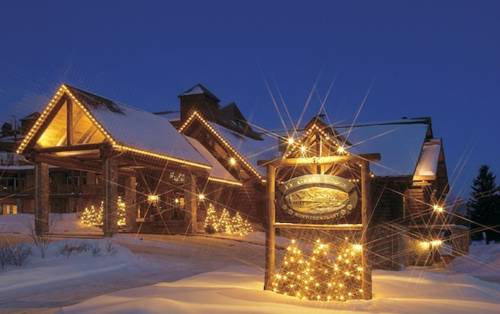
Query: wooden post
point(131, 202)
point(366, 214)
point(270, 231)
point(110, 171)
point(191, 202)
point(42, 206)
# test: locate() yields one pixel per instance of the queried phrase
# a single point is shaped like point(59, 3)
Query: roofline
point(198, 116)
point(64, 89)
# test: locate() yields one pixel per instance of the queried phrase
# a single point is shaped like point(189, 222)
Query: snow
point(428, 163)
point(482, 262)
point(217, 171)
point(239, 290)
point(56, 266)
point(399, 144)
point(251, 149)
point(59, 224)
point(196, 274)
point(143, 130)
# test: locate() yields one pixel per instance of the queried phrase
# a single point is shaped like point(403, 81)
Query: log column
point(110, 170)
point(366, 215)
point(270, 231)
point(131, 202)
point(191, 202)
point(42, 206)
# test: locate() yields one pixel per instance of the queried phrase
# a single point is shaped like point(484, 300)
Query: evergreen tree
point(211, 221)
point(483, 206)
point(318, 274)
point(225, 224)
point(291, 273)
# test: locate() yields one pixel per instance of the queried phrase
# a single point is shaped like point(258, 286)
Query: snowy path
point(165, 258)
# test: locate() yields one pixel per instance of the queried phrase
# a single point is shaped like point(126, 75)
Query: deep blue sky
point(435, 58)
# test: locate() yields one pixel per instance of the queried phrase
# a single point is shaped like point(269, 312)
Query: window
point(9, 209)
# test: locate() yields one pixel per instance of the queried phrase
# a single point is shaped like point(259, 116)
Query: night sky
point(421, 58)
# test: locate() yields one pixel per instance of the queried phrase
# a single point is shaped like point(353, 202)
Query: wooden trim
point(73, 148)
point(306, 161)
point(340, 227)
point(69, 123)
point(270, 230)
point(366, 215)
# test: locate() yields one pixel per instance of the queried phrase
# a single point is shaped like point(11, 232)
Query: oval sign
point(318, 197)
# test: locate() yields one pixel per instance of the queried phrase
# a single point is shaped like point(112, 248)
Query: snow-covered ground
point(199, 274)
point(59, 223)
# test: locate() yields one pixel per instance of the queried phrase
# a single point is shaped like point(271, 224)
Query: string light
point(93, 215)
point(290, 140)
point(438, 208)
point(319, 276)
point(232, 161)
point(198, 116)
point(235, 225)
point(63, 89)
point(153, 199)
point(201, 197)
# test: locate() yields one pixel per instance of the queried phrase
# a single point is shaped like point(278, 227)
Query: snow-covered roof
point(428, 163)
point(251, 149)
point(218, 171)
point(398, 143)
point(138, 128)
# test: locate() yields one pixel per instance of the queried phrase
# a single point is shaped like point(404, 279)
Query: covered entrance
point(136, 155)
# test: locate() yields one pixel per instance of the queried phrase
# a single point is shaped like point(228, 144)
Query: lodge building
point(167, 166)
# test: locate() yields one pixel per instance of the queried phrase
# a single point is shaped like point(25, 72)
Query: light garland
point(94, 216)
point(197, 115)
point(341, 150)
point(211, 220)
point(319, 277)
point(224, 223)
point(63, 89)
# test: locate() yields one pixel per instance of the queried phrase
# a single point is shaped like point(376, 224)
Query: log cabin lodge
point(167, 166)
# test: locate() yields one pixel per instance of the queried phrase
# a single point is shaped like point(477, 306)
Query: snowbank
point(87, 257)
point(483, 262)
point(59, 223)
point(239, 290)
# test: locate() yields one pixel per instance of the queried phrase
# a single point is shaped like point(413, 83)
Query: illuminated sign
point(318, 197)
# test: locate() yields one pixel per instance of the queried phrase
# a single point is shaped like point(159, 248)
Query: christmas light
point(438, 208)
point(153, 199)
point(201, 197)
point(319, 276)
point(232, 161)
point(290, 140)
point(211, 220)
point(94, 216)
point(224, 223)
point(198, 116)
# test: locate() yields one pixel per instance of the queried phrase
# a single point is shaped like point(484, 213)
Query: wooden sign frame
point(364, 163)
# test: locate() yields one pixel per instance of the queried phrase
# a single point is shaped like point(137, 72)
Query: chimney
point(199, 98)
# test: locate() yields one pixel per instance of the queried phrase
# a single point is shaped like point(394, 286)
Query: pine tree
point(240, 226)
point(211, 220)
point(121, 212)
point(347, 271)
point(225, 224)
point(318, 274)
point(291, 273)
point(484, 207)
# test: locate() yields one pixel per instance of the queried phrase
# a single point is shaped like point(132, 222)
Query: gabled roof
point(252, 149)
point(199, 89)
point(131, 129)
point(398, 142)
point(218, 172)
point(247, 150)
point(428, 162)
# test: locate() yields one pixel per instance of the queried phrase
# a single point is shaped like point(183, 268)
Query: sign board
point(318, 197)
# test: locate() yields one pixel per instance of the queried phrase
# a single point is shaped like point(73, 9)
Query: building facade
point(168, 166)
